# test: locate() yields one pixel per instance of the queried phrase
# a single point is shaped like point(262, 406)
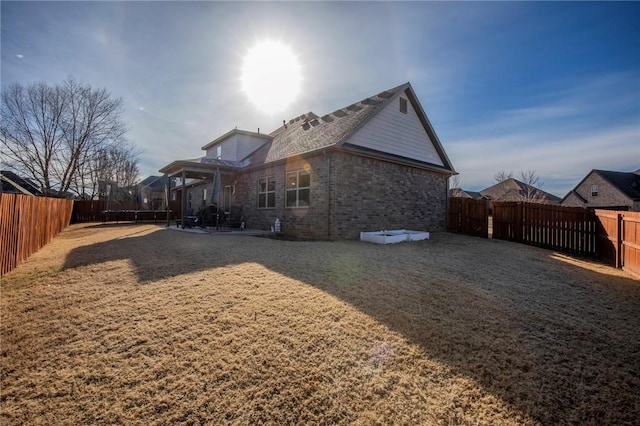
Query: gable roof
point(310, 132)
point(513, 190)
point(235, 132)
point(626, 182)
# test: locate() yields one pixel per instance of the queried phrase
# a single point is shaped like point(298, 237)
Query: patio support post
point(166, 198)
point(184, 198)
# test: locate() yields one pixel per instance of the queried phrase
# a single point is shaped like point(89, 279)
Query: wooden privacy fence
point(95, 211)
point(87, 211)
point(568, 229)
point(27, 223)
point(468, 216)
point(612, 236)
point(619, 239)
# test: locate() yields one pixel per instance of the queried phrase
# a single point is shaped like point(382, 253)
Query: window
point(298, 188)
point(189, 200)
point(594, 190)
point(403, 105)
point(267, 192)
point(219, 152)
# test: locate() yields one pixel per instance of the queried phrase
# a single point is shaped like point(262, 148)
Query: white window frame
point(267, 192)
point(296, 189)
point(594, 190)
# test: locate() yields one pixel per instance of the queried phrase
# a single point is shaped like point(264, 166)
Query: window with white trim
point(594, 190)
point(298, 188)
point(267, 192)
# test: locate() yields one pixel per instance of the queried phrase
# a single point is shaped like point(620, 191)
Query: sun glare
point(271, 76)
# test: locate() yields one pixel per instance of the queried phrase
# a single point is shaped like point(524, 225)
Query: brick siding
point(373, 195)
point(349, 194)
point(608, 196)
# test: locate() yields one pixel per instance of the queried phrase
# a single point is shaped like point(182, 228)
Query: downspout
point(329, 198)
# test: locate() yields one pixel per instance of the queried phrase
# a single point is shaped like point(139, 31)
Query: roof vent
point(386, 94)
point(314, 122)
point(306, 126)
point(354, 107)
point(339, 113)
point(327, 118)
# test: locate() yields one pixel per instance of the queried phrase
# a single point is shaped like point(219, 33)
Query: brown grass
point(144, 325)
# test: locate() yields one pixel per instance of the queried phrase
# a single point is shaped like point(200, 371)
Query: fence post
point(619, 245)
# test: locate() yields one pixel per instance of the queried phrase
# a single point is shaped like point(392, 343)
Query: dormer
point(235, 145)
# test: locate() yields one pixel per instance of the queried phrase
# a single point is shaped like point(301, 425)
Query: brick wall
point(300, 222)
point(374, 195)
point(349, 194)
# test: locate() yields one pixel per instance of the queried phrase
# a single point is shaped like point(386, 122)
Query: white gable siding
point(394, 132)
point(236, 147)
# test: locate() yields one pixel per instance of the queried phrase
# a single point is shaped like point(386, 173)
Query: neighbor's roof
point(627, 182)
point(310, 132)
point(513, 190)
point(461, 193)
point(12, 183)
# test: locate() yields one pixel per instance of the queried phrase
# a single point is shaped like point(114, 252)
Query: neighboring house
point(513, 190)
point(508, 190)
point(462, 193)
point(603, 189)
point(375, 164)
point(14, 184)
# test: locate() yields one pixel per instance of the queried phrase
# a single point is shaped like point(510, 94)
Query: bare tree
point(116, 165)
point(501, 176)
point(455, 181)
point(54, 134)
point(532, 191)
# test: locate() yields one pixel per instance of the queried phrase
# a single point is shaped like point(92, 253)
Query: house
point(14, 184)
point(603, 189)
point(463, 193)
point(372, 165)
point(514, 190)
point(508, 190)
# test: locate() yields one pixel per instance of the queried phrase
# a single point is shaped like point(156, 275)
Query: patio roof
point(200, 168)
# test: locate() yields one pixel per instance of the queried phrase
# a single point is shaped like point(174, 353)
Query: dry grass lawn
point(139, 324)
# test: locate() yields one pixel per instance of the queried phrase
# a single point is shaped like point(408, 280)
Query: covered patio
point(214, 176)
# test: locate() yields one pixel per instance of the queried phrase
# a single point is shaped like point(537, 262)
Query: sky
point(552, 87)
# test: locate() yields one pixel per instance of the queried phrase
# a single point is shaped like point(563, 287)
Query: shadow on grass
point(558, 342)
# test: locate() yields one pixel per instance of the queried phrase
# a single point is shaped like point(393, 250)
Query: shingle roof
point(310, 132)
point(7, 185)
point(626, 182)
point(514, 190)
